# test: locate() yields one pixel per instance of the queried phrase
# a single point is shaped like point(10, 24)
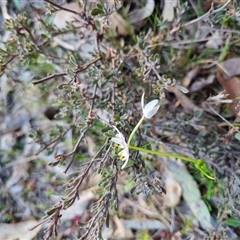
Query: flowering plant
point(148, 111)
point(120, 141)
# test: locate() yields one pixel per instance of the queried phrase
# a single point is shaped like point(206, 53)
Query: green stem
point(134, 130)
point(199, 164)
point(166, 154)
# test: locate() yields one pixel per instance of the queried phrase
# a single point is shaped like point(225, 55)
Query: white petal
point(142, 101)
point(118, 141)
point(151, 104)
point(119, 138)
point(125, 153)
point(151, 108)
point(124, 165)
point(150, 113)
point(119, 133)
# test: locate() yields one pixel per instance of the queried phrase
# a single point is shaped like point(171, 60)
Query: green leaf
point(97, 11)
point(3, 52)
point(105, 129)
point(46, 67)
point(73, 61)
point(97, 24)
point(44, 36)
point(60, 87)
point(182, 89)
point(197, 114)
point(237, 136)
point(156, 91)
point(225, 50)
point(50, 211)
point(70, 72)
point(232, 222)
point(132, 191)
point(99, 6)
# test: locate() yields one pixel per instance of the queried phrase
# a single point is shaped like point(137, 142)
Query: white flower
point(151, 108)
point(120, 140)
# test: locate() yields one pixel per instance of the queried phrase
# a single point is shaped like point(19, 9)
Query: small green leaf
point(237, 136)
point(44, 36)
point(46, 67)
point(3, 52)
point(105, 129)
point(98, 24)
point(232, 222)
point(156, 91)
point(60, 87)
point(65, 87)
point(109, 134)
point(182, 89)
point(197, 114)
point(132, 191)
point(225, 49)
point(124, 117)
point(97, 11)
point(50, 211)
point(99, 6)
point(70, 72)
point(73, 61)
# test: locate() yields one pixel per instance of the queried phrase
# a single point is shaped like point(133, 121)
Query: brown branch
point(62, 8)
point(48, 78)
point(4, 65)
point(80, 69)
point(74, 193)
point(83, 16)
point(51, 142)
point(73, 152)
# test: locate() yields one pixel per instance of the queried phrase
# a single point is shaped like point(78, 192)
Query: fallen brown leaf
point(227, 75)
point(168, 10)
point(187, 80)
point(173, 190)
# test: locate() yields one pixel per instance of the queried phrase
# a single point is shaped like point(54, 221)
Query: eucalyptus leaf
point(182, 89)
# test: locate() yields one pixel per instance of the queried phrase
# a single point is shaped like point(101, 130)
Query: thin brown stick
point(81, 14)
point(62, 8)
point(224, 119)
point(80, 69)
point(73, 152)
point(48, 78)
point(4, 65)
